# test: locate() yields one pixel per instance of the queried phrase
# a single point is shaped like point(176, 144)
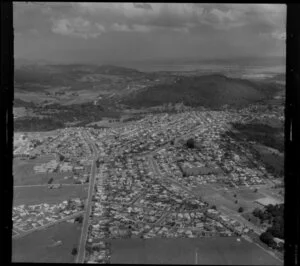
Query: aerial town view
point(150, 149)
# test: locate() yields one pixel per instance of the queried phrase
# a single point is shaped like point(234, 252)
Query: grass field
point(271, 158)
point(222, 250)
point(248, 194)
point(36, 195)
point(223, 198)
point(24, 173)
point(38, 246)
point(251, 218)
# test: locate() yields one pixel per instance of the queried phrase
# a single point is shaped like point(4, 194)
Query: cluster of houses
point(131, 199)
point(54, 165)
point(134, 201)
point(28, 217)
point(65, 151)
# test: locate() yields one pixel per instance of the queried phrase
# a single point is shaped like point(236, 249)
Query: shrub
point(190, 143)
point(74, 251)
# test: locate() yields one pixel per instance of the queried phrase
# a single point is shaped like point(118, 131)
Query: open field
point(248, 194)
point(251, 218)
point(24, 174)
point(272, 193)
point(227, 199)
point(206, 190)
point(271, 158)
point(40, 246)
point(222, 250)
point(36, 195)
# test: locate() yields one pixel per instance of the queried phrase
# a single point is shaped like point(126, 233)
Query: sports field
point(36, 195)
point(42, 246)
point(218, 251)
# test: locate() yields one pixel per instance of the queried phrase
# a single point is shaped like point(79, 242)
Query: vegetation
point(79, 219)
point(74, 251)
point(267, 238)
point(61, 157)
point(241, 209)
point(37, 124)
point(261, 133)
point(56, 116)
point(134, 118)
point(273, 215)
point(211, 91)
point(190, 143)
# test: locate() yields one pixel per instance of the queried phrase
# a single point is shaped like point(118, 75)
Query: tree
point(79, 219)
point(61, 157)
point(214, 207)
point(190, 143)
point(241, 209)
point(234, 195)
point(267, 238)
point(74, 251)
point(50, 180)
point(256, 212)
point(97, 163)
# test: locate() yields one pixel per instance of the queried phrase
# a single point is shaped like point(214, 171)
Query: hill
point(116, 70)
point(209, 91)
point(39, 77)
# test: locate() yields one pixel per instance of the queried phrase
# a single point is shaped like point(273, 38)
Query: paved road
point(47, 225)
point(84, 230)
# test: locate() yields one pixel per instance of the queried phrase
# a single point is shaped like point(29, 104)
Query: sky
point(108, 32)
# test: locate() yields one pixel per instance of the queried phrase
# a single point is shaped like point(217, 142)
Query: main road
point(85, 225)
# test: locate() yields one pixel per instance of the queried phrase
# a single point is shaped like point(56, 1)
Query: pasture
point(273, 159)
point(24, 173)
point(42, 194)
point(215, 250)
point(248, 194)
point(39, 246)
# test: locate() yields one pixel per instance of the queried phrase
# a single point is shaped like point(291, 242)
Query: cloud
point(77, 27)
point(277, 35)
point(160, 14)
point(143, 6)
point(176, 15)
point(90, 20)
point(144, 28)
point(120, 27)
